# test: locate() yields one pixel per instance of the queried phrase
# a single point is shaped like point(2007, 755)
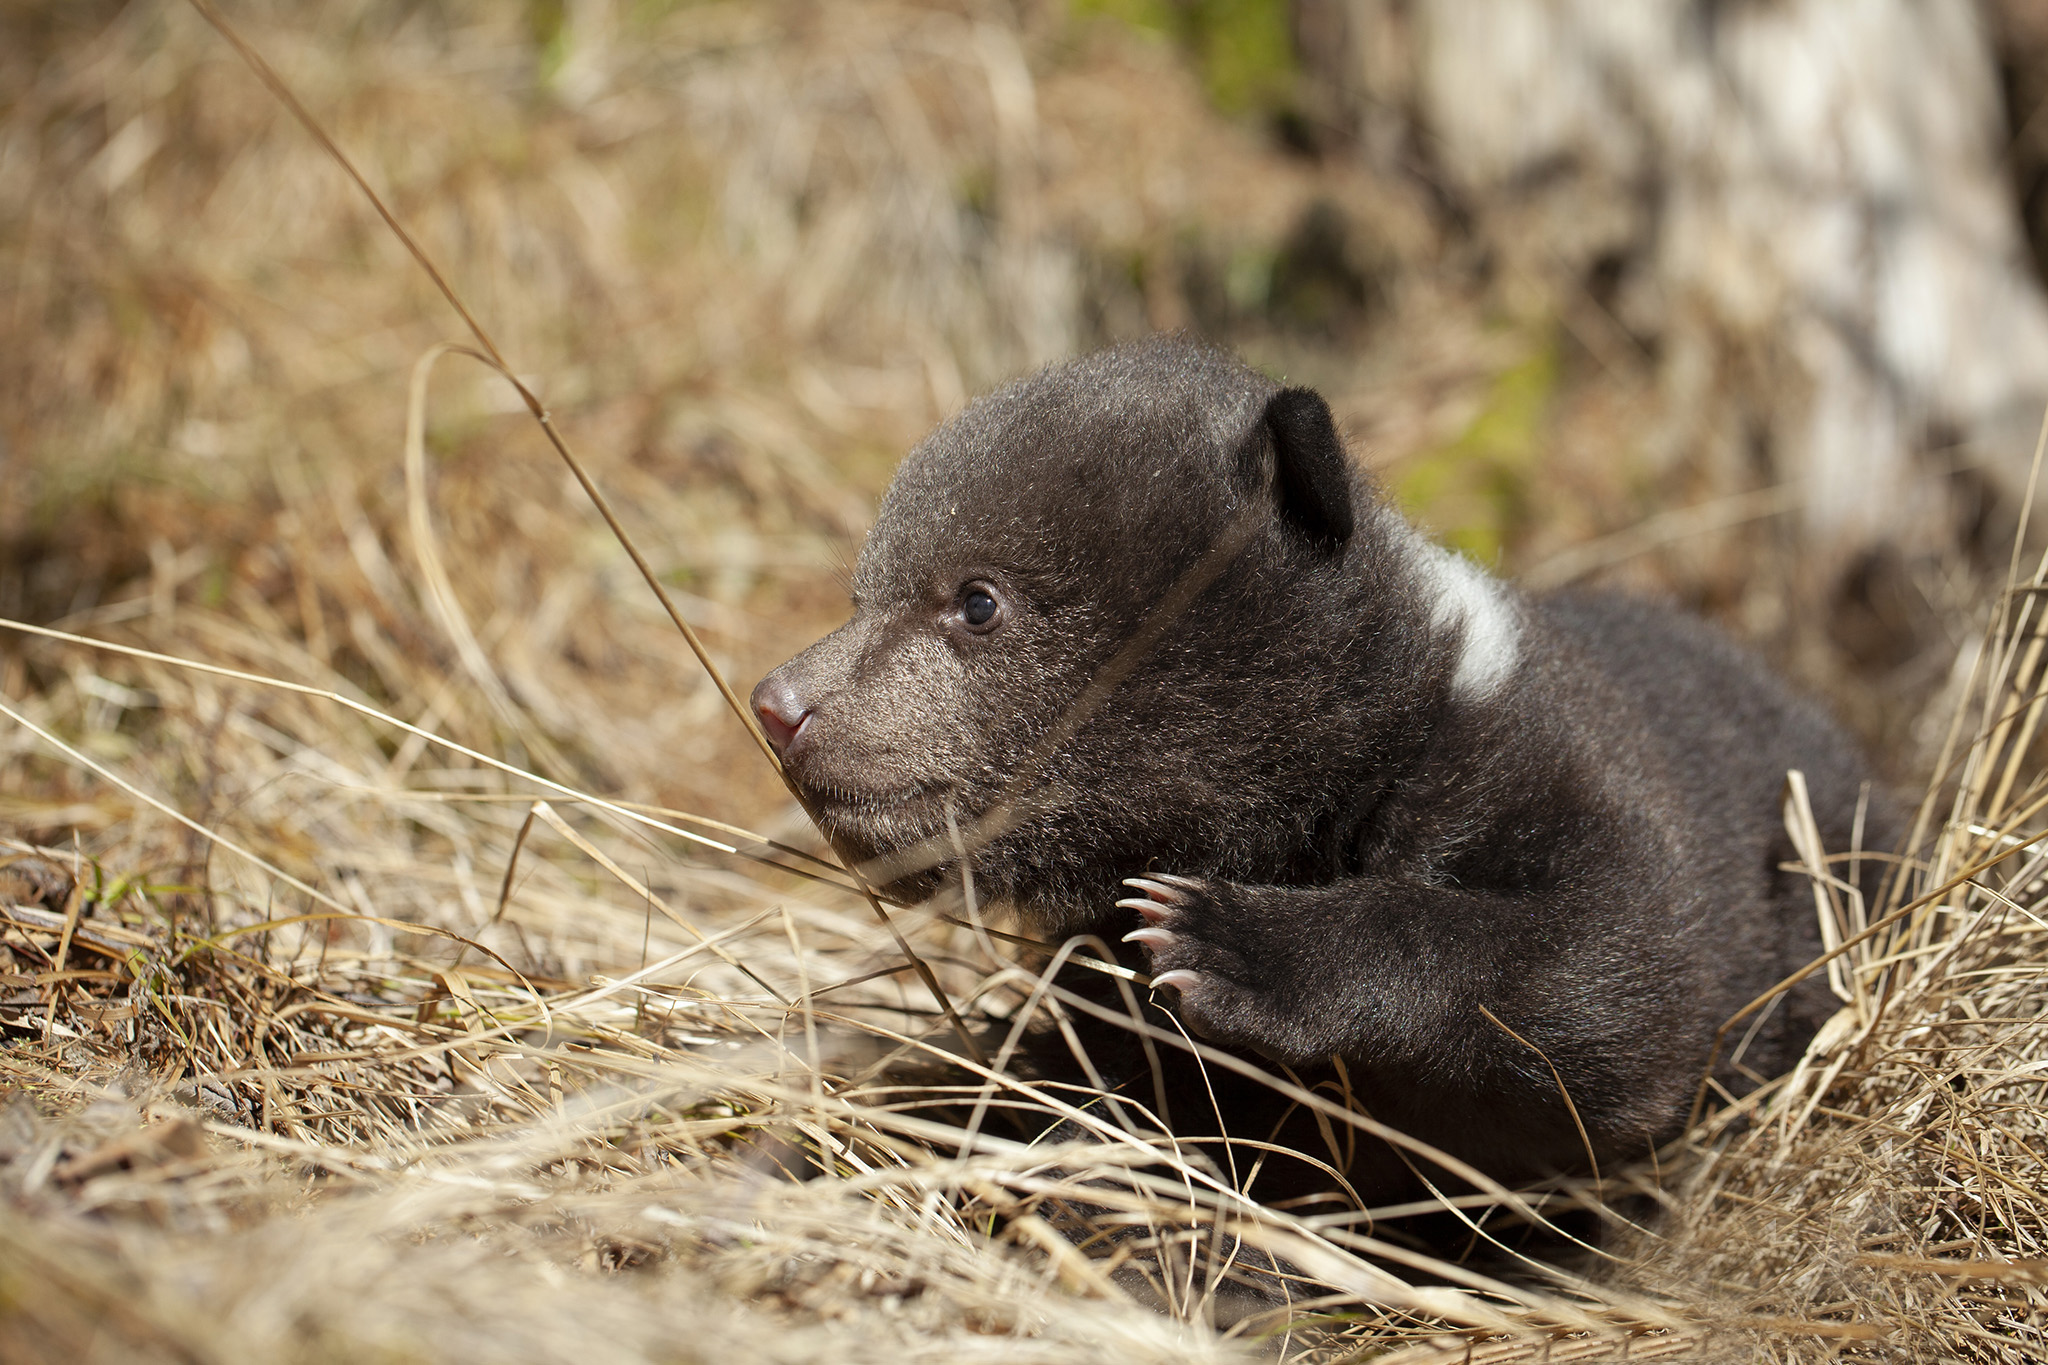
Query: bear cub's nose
point(781, 713)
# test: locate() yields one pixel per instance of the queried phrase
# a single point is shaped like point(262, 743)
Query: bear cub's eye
point(978, 607)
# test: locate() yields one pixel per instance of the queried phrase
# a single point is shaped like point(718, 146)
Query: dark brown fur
point(1370, 850)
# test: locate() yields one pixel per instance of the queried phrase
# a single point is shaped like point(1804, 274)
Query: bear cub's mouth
point(899, 838)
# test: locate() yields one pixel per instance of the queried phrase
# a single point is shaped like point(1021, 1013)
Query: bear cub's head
point(1111, 616)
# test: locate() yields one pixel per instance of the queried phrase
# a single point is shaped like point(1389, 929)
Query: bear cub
point(1137, 635)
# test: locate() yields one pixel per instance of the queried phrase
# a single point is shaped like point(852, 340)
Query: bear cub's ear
point(1311, 473)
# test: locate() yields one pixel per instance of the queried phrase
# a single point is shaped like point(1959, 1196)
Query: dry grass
point(367, 989)
point(1894, 1182)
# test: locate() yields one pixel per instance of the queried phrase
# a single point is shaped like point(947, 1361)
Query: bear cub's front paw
point(1189, 933)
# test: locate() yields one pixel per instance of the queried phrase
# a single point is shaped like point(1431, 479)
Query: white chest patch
point(1468, 600)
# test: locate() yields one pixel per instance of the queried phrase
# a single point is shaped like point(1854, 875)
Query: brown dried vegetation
point(366, 989)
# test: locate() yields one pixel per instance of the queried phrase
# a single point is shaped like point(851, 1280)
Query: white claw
point(1152, 911)
point(1179, 978)
point(1161, 891)
point(1151, 937)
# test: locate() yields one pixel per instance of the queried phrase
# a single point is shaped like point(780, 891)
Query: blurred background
point(1738, 301)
